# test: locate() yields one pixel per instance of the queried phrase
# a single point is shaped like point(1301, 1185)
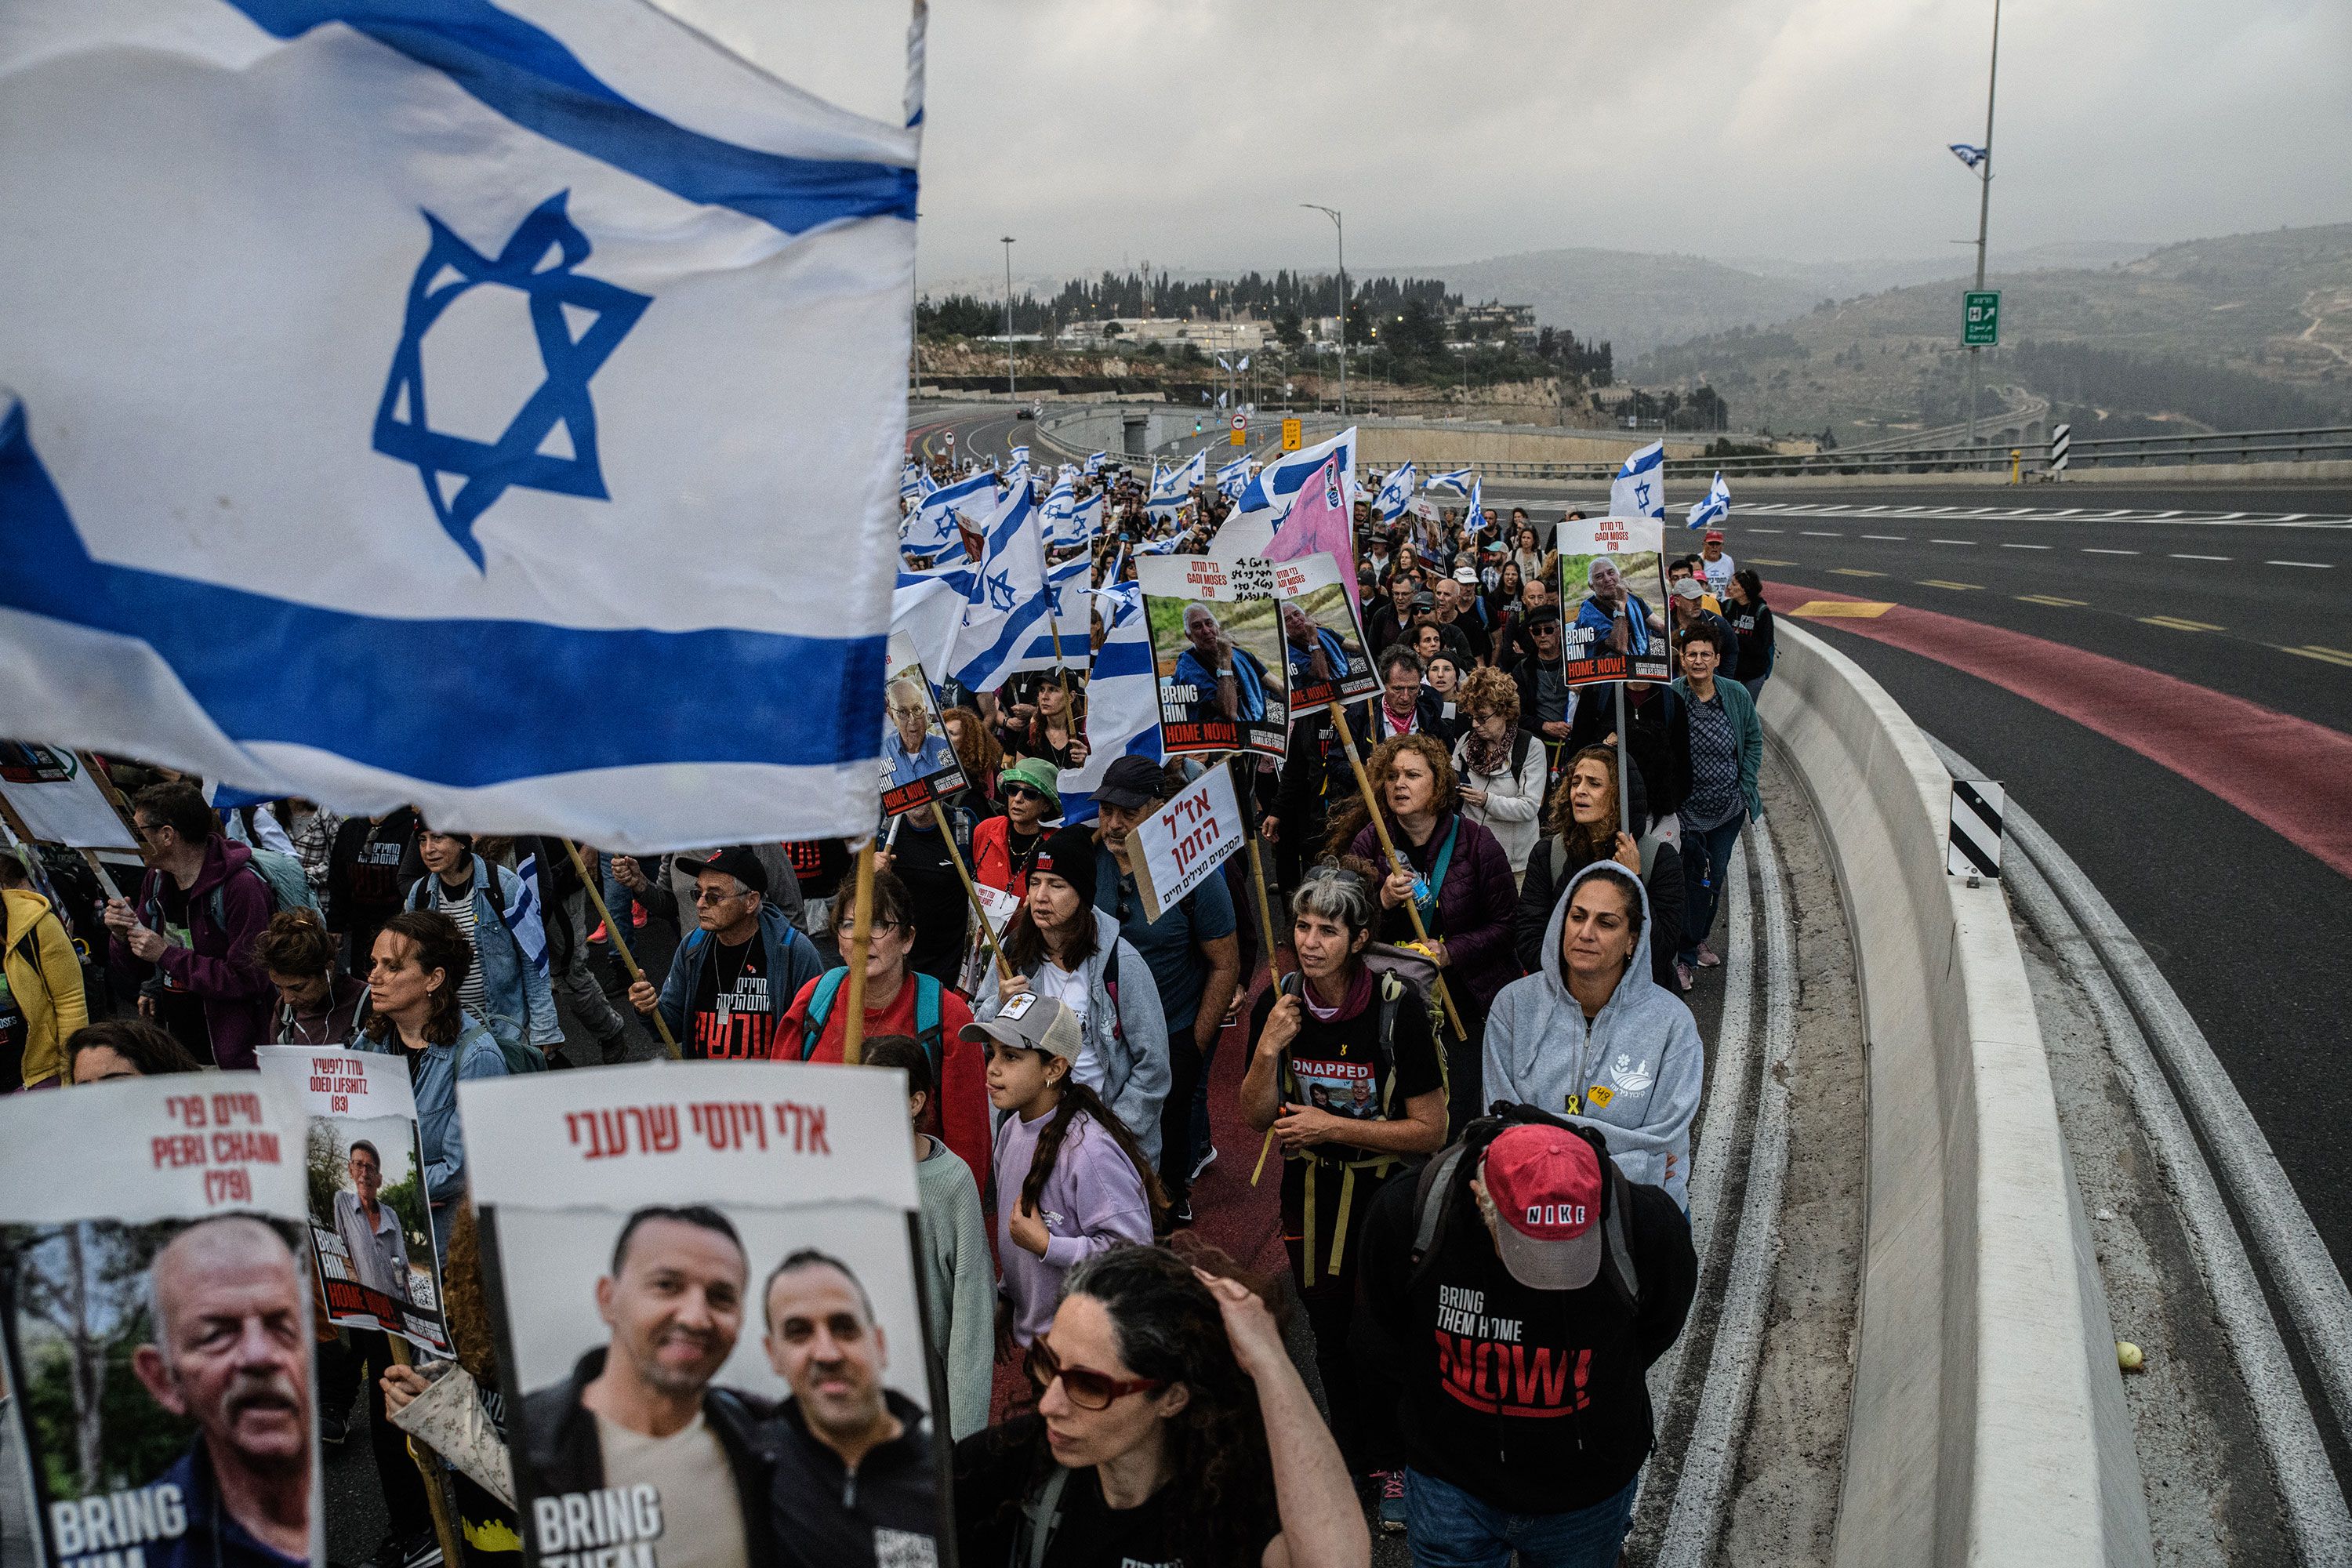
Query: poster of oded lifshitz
point(1321, 642)
point(661, 1245)
point(155, 1301)
point(1217, 652)
point(364, 1183)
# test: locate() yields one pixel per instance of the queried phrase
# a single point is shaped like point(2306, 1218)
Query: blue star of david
point(537, 260)
point(1000, 591)
point(1642, 494)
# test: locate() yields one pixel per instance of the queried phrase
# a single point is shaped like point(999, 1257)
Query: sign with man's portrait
point(918, 762)
point(1217, 652)
point(1612, 600)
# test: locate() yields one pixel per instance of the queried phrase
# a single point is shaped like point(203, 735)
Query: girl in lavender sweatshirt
point(1070, 1180)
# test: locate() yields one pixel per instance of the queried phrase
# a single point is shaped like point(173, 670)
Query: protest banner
point(1181, 845)
point(1321, 639)
point(1612, 596)
point(158, 1323)
point(743, 1189)
point(363, 1185)
point(56, 795)
point(1216, 650)
point(918, 763)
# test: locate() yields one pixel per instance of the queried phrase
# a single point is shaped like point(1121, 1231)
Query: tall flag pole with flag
point(1711, 512)
point(1394, 493)
point(1122, 699)
point(1318, 522)
point(1008, 600)
point(410, 548)
point(1639, 487)
point(1970, 155)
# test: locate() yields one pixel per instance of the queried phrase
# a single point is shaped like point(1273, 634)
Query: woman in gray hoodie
point(1592, 1035)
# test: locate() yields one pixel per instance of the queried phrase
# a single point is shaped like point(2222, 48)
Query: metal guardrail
point(2226, 447)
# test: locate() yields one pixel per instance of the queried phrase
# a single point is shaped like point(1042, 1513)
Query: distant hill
point(2243, 330)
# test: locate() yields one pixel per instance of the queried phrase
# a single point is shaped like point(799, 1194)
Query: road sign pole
point(1984, 205)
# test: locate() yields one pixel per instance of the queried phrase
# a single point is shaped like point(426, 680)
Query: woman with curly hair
point(977, 750)
point(1501, 766)
point(1169, 1426)
point(1455, 873)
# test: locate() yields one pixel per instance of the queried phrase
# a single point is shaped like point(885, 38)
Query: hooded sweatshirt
point(1092, 1201)
point(1634, 1075)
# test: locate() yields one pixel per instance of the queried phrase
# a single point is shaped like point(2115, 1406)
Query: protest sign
point(1181, 845)
point(742, 1189)
point(363, 1187)
point(919, 764)
point(1216, 650)
point(53, 793)
point(158, 1318)
point(1322, 640)
point(1613, 597)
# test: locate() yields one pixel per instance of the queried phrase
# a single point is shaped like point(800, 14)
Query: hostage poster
point(1612, 600)
point(363, 1187)
point(660, 1245)
point(1321, 642)
point(155, 1299)
point(1217, 653)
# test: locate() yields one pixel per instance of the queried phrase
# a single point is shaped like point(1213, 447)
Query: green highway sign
point(1981, 322)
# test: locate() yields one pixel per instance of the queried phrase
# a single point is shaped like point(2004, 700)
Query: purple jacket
point(1475, 907)
point(1092, 1201)
point(218, 967)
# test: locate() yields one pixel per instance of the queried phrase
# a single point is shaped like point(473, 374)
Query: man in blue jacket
point(737, 973)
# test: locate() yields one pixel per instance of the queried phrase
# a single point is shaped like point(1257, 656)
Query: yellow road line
point(1841, 609)
point(1854, 571)
point(2324, 655)
point(2176, 623)
point(1767, 561)
point(1941, 583)
point(2054, 601)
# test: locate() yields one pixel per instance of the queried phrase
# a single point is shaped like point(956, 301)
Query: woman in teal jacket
point(1727, 750)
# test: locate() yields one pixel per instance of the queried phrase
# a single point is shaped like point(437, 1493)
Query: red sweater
point(958, 1113)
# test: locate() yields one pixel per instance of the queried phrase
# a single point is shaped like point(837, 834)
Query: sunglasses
point(1023, 792)
point(713, 896)
point(1087, 1389)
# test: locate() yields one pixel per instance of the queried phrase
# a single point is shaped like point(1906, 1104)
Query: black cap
point(1069, 853)
point(737, 860)
point(1131, 783)
point(1424, 600)
point(1543, 615)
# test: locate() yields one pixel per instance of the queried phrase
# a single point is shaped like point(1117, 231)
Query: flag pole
point(428, 1466)
point(971, 893)
point(620, 945)
point(861, 941)
point(1253, 845)
point(1380, 826)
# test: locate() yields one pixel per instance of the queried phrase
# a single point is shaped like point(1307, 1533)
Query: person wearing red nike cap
point(1527, 1286)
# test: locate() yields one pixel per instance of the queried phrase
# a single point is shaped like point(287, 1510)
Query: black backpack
point(1444, 1188)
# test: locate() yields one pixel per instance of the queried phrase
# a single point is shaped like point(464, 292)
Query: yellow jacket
point(45, 976)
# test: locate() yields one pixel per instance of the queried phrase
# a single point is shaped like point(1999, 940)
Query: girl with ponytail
point(1072, 1180)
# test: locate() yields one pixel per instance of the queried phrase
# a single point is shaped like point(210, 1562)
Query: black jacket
point(560, 1453)
point(1752, 625)
point(1661, 879)
point(826, 1515)
point(1659, 738)
point(1531, 1400)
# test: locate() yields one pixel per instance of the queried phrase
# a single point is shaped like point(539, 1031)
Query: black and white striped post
point(2061, 436)
point(1975, 849)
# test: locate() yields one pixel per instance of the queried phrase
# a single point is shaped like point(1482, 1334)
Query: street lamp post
point(1984, 205)
point(1012, 389)
point(1333, 213)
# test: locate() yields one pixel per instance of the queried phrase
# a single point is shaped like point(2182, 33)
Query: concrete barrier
point(1988, 1424)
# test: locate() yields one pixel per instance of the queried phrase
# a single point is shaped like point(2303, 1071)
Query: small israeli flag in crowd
point(1970, 155)
point(1122, 699)
point(1711, 512)
point(1395, 490)
point(1095, 463)
point(1021, 456)
point(1639, 487)
point(911, 481)
point(932, 528)
point(1456, 480)
point(1233, 475)
point(1177, 482)
point(1069, 615)
point(1474, 516)
point(1008, 595)
point(403, 380)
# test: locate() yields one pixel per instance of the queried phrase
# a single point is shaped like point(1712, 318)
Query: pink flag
point(1318, 524)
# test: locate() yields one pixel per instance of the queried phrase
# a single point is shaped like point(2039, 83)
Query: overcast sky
point(1187, 131)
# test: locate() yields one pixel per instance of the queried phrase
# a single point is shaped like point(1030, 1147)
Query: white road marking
point(2321, 565)
point(2089, 549)
point(2177, 556)
point(1818, 533)
point(1952, 541)
point(1768, 530)
point(2008, 546)
point(1896, 538)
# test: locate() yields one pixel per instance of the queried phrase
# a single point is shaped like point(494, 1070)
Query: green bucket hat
point(1036, 773)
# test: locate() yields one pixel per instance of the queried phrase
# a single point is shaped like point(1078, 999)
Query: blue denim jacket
point(510, 945)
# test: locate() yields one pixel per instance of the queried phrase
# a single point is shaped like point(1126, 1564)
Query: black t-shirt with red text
point(731, 1017)
point(1531, 1400)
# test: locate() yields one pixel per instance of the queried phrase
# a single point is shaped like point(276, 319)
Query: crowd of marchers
point(1468, 1052)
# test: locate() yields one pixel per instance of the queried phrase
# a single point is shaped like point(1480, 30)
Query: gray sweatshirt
point(1128, 1033)
point(1636, 1073)
point(960, 1279)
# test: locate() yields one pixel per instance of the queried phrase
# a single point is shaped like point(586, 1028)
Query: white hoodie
point(1636, 1073)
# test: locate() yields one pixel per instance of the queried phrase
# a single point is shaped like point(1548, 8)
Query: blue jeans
point(1448, 1528)
point(1707, 860)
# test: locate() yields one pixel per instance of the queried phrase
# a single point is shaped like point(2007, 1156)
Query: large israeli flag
point(1395, 491)
point(1640, 488)
point(1008, 597)
point(1274, 486)
point(1711, 512)
point(1122, 699)
point(409, 393)
point(1060, 519)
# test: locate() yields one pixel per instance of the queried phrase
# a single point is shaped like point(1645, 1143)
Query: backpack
point(281, 879)
point(1393, 994)
point(927, 1032)
point(1444, 1184)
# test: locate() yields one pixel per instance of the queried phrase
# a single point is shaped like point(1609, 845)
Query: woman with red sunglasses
point(1169, 1426)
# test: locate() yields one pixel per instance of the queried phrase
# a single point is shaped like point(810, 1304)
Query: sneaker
point(422, 1551)
point(1180, 1214)
point(1707, 957)
point(596, 936)
point(615, 1049)
point(1683, 975)
point(1200, 1165)
point(1391, 1485)
point(334, 1426)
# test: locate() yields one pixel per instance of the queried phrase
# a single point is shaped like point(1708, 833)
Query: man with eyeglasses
point(854, 1483)
point(191, 933)
point(736, 974)
point(908, 747)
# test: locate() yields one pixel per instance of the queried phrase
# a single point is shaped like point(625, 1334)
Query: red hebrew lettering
point(187, 1107)
point(804, 1125)
point(730, 1124)
point(229, 1107)
point(661, 1120)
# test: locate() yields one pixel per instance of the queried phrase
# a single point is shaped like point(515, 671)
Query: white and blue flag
point(1970, 155)
point(1171, 487)
point(1395, 491)
point(1122, 699)
point(1274, 486)
point(402, 380)
point(1711, 512)
point(1474, 516)
point(1008, 597)
point(1640, 488)
point(932, 526)
point(1060, 521)
point(1233, 477)
point(1095, 461)
point(1020, 456)
point(1455, 479)
point(1063, 636)
point(911, 481)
